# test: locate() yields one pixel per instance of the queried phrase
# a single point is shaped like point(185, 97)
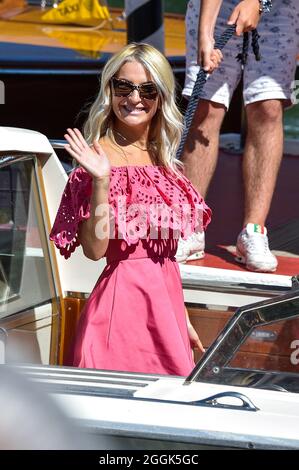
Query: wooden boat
point(249, 324)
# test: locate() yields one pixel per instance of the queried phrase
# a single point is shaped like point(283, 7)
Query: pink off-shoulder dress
point(134, 319)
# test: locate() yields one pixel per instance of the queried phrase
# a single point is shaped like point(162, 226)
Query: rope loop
point(243, 56)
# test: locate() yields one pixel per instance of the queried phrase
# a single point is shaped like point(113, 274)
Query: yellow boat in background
point(35, 26)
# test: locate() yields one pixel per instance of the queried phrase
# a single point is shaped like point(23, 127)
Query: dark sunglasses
point(124, 88)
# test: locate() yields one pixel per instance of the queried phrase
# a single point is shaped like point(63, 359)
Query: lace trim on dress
point(74, 207)
point(143, 200)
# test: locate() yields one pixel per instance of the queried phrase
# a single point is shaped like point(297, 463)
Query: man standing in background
point(266, 91)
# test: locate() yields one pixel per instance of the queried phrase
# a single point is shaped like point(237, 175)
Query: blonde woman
point(128, 201)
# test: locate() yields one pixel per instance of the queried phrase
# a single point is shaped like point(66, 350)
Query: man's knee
point(208, 114)
point(264, 112)
point(205, 126)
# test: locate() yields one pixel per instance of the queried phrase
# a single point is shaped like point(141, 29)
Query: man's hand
point(246, 16)
point(208, 57)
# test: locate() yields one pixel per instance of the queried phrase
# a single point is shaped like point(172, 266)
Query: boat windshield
point(259, 345)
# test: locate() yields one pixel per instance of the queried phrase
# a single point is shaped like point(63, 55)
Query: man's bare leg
point(262, 157)
point(201, 149)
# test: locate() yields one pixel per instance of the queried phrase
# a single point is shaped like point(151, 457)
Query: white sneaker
point(253, 249)
point(191, 249)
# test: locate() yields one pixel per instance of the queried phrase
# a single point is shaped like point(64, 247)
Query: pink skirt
point(135, 319)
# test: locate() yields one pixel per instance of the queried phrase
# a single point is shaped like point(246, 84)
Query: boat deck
point(222, 257)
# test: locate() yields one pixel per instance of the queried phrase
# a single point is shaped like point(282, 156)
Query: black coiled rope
point(202, 77)
point(242, 57)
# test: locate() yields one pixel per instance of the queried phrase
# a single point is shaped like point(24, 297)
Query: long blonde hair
point(166, 127)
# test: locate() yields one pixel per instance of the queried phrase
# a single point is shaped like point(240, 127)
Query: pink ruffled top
point(141, 199)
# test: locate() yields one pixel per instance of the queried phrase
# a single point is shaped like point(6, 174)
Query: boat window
point(273, 347)
point(24, 265)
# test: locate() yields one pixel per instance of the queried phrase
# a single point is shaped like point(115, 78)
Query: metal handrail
point(58, 143)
